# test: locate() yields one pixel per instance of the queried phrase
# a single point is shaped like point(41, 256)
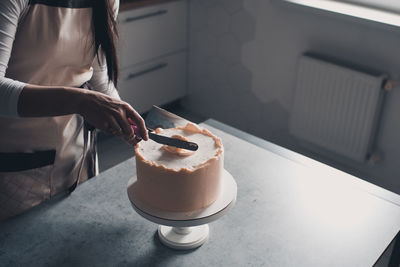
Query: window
point(389, 5)
point(382, 11)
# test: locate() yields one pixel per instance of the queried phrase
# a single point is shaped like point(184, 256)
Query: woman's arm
point(20, 99)
point(102, 111)
point(10, 12)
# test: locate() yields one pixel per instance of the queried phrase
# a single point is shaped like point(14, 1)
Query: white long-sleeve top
point(10, 14)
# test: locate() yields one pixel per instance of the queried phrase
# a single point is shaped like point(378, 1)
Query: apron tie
point(89, 149)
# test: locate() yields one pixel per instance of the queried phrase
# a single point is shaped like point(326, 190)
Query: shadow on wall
point(220, 85)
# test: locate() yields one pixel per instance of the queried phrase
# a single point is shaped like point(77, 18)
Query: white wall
point(242, 67)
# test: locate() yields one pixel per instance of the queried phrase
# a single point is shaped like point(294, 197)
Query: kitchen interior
point(248, 65)
point(236, 61)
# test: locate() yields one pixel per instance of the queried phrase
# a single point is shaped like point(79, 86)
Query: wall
point(242, 66)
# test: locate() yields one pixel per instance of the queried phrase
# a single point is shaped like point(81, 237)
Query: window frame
point(387, 5)
point(376, 16)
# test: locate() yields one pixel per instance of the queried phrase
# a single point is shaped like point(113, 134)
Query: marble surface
point(287, 214)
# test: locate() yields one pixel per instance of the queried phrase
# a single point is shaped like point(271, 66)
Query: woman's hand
point(112, 116)
point(103, 112)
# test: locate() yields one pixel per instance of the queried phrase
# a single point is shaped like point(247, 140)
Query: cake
point(179, 180)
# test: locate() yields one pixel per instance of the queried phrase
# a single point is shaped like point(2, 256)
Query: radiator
point(336, 108)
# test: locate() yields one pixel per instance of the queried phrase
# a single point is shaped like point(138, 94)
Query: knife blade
point(160, 118)
point(161, 139)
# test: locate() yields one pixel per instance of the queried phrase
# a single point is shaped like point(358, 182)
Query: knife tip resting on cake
point(169, 141)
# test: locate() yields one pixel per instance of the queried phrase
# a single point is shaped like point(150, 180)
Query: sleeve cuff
point(9, 96)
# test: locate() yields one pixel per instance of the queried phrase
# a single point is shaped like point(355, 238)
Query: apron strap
point(89, 154)
point(15, 162)
point(89, 151)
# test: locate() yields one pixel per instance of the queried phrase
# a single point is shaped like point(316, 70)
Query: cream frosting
point(176, 150)
point(171, 158)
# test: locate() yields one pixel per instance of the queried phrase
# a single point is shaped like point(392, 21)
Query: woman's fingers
point(138, 120)
point(112, 116)
point(127, 131)
point(125, 121)
point(111, 126)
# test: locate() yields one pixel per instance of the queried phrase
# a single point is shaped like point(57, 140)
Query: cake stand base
point(183, 238)
point(186, 230)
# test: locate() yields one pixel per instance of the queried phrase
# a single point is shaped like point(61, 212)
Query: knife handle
point(136, 131)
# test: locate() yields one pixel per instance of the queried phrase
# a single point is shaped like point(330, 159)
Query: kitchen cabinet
point(154, 83)
point(152, 52)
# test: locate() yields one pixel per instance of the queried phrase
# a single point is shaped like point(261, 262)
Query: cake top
point(176, 159)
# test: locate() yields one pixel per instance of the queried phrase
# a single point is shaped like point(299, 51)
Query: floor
point(113, 150)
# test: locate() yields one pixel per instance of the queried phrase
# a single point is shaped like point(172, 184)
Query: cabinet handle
point(142, 72)
point(148, 15)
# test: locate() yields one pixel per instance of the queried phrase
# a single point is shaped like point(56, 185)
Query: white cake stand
point(186, 230)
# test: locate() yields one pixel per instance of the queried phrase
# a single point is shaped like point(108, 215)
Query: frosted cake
point(174, 179)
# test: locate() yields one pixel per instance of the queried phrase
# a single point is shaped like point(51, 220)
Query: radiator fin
point(335, 107)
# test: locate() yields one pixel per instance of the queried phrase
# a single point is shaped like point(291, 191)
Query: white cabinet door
point(154, 83)
point(150, 32)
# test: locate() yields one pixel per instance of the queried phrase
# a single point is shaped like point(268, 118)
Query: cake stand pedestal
point(186, 230)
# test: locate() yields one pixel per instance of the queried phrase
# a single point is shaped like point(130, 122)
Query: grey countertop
point(290, 211)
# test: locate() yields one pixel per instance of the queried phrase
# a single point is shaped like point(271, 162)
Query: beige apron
point(53, 46)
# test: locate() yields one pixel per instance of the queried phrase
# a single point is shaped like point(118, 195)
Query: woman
point(51, 52)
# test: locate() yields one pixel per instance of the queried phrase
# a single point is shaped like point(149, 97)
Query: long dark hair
point(106, 35)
